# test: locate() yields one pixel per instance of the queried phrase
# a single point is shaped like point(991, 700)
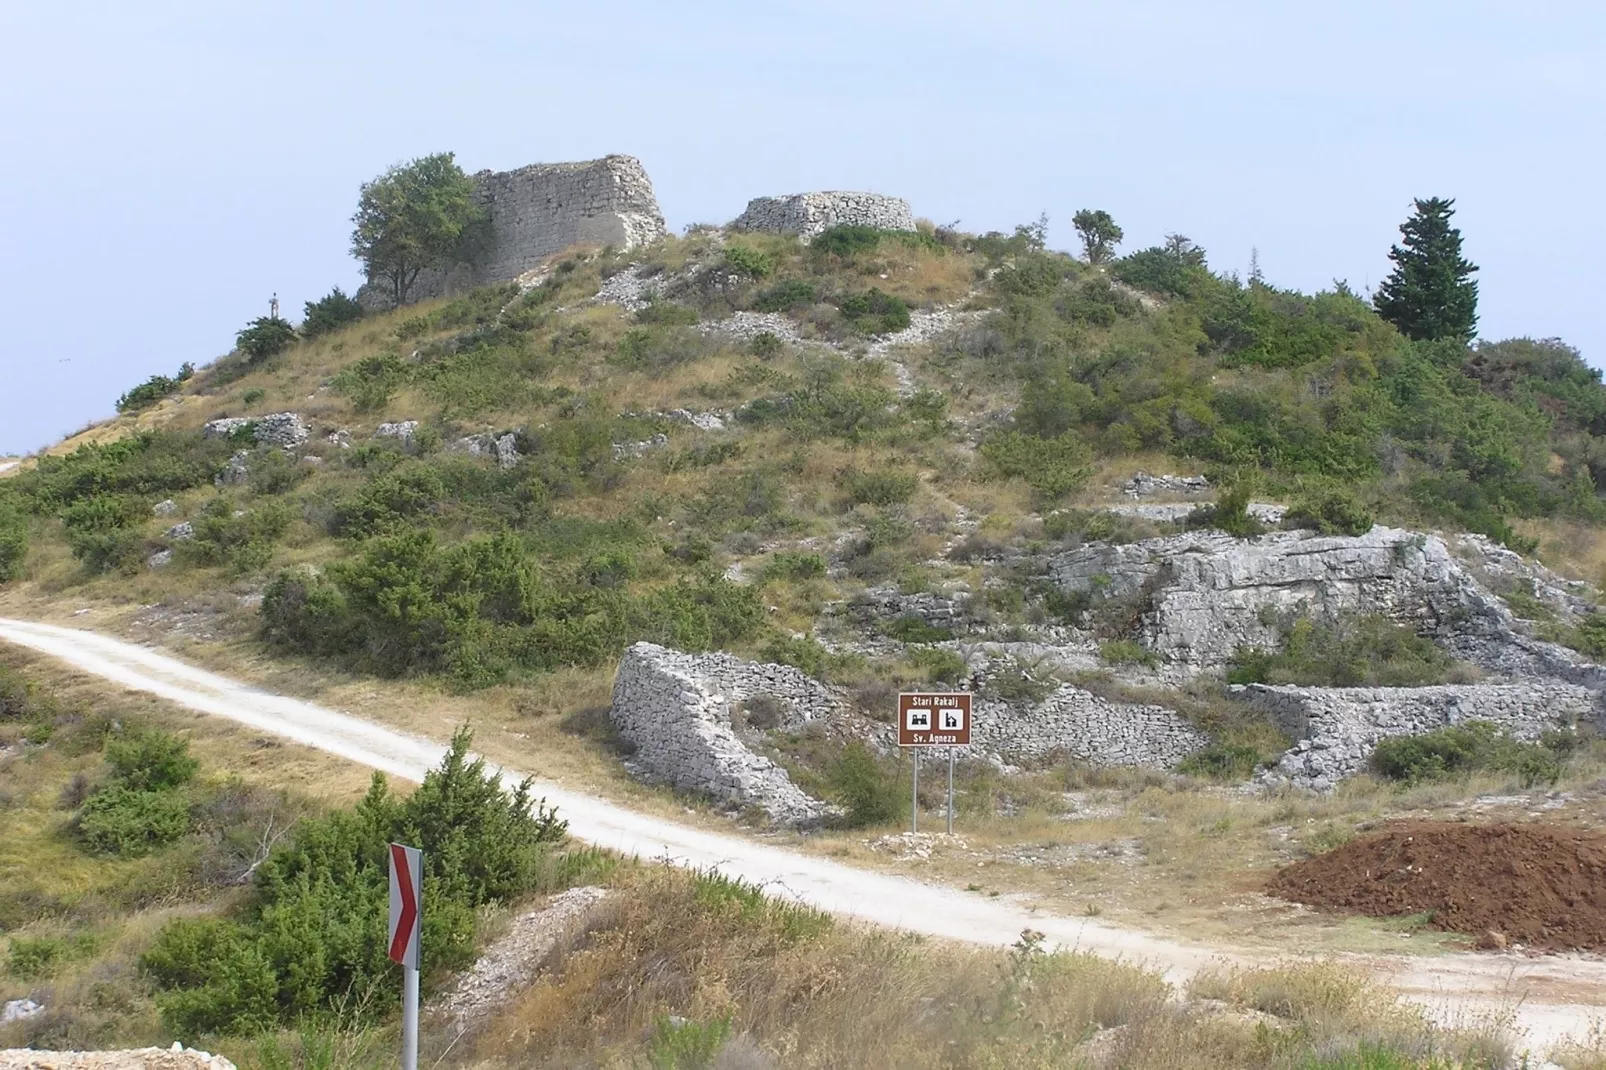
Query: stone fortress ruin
point(542, 209)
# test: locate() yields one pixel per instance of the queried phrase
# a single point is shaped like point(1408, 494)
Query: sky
point(165, 167)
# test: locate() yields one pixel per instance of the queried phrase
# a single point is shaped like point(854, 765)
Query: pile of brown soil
point(1542, 886)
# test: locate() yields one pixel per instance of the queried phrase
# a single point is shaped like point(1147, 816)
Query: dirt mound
point(1541, 886)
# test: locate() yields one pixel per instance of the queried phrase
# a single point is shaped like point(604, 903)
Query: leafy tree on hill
point(329, 313)
point(415, 215)
point(263, 337)
point(1100, 234)
point(1431, 293)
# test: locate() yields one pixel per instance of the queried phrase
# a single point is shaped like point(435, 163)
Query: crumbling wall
point(539, 210)
point(807, 214)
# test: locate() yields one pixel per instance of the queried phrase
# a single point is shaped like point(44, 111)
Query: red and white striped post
point(406, 914)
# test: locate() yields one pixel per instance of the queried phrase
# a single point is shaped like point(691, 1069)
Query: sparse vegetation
point(1475, 746)
point(1366, 652)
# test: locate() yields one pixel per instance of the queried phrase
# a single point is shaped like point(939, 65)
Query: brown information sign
point(940, 719)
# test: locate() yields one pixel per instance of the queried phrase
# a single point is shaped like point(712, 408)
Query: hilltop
point(1233, 571)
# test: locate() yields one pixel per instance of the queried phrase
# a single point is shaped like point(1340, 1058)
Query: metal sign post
point(936, 719)
point(950, 792)
point(914, 791)
point(406, 915)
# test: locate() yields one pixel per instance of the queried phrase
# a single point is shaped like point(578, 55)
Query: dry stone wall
point(1079, 725)
point(539, 210)
point(678, 711)
point(1337, 729)
point(807, 214)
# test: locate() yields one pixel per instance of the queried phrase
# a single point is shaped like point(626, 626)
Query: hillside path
point(1551, 997)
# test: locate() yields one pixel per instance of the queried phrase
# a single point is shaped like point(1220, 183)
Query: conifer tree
point(1431, 293)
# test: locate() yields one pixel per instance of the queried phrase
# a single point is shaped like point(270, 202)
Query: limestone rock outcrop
point(285, 429)
point(1338, 728)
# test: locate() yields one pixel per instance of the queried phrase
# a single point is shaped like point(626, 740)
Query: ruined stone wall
point(807, 214)
point(1078, 725)
point(539, 210)
point(677, 710)
point(1337, 728)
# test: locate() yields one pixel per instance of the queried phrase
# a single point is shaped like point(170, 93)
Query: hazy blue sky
point(165, 166)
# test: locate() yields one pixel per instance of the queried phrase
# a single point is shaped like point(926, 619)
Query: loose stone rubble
point(678, 711)
point(1176, 512)
point(1143, 485)
point(632, 450)
point(512, 962)
point(503, 447)
point(403, 431)
point(19, 1010)
point(1337, 728)
point(165, 507)
point(178, 1057)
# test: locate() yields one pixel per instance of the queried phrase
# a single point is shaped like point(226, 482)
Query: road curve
point(1454, 987)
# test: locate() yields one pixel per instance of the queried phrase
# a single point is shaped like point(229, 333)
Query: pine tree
point(1431, 293)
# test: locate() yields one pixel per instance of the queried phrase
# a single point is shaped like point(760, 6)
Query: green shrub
point(153, 390)
point(150, 760)
point(1015, 682)
point(1127, 652)
point(1053, 467)
point(13, 541)
point(1591, 633)
point(329, 313)
point(98, 532)
point(32, 958)
point(131, 822)
point(1329, 512)
point(667, 314)
point(1230, 514)
point(1222, 761)
point(241, 543)
point(371, 382)
point(850, 239)
point(878, 486)
point(864, 787)
point(745, 260)
point(786, 295)
point(939, 665)
point(312, 940)
point(264, 337)
point(686, 1045)
point(1368, 652)
point(875, 312)
point(912, 629)
point(794, 565)
point(765, 345)
point(1475, 746)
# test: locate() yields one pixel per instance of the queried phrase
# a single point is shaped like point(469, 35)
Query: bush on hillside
point(1230, 513)
point(877, 486)
point(241, 543)
point(128, 822)
point(847, 239)
point(150, 760)
point(1329, 512)
point(1368, 652)
point(330, 312)
point(748, 261)
point(98, 532)
point(864, 787)
point(1222, 761)
point(153, 390)
point(875, 312)
point(786, 295)
point(264, 337)
point(312, 940)
point(1053, 467)
point(371, 382)
point(13, 541)
point(1456, 750)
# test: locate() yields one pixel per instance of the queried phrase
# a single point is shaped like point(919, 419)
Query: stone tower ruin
point(539, 210)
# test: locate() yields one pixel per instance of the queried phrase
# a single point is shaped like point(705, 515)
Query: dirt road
point(1550, 998)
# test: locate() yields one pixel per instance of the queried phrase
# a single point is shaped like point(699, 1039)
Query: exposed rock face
point(807, 214)
point(488, 444)
point(677, 710)
point(539, 210)
point(236, 471)
point(165, 507)
point(1337, 728)
point(402, 431)
point(284, 429)
point(1144, 485)
point(1206, 593)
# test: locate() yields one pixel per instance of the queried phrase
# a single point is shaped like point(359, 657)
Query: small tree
point(415, 215)
point(1184, 251)
point(1431, 293)
point(1099, 234)
point(265, 336)
point(329, 313)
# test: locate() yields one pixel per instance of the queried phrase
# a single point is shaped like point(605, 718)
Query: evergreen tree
point(1431, 293)
point(1099, 233)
